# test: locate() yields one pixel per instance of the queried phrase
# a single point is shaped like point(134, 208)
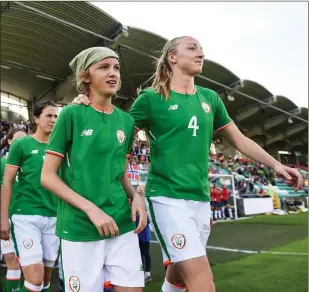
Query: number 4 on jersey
point(193, 125)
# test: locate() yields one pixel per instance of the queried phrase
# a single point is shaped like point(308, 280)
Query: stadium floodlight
point(230, 97)
point(5, 67)
point(296, 111)
point(45, 77)
point(273, 99)
point(125, 31)
point(290, 120)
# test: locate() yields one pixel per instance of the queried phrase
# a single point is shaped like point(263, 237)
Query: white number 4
point(193, 125)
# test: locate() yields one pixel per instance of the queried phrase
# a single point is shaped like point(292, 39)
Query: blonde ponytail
point(163, 74)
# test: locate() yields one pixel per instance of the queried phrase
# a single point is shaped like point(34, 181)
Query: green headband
point(87, 58)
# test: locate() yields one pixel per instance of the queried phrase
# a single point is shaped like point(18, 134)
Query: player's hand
point(103, 222)
point(81, 99)
point(290, 174)
point(140, 190)
point(5, 229)
point(139, 207)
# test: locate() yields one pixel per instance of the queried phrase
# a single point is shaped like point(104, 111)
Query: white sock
point(167, 287)
point(32, 287)
point(13, 274)
point(215, 214)
point(219, 214)
point(230, 213)
point(223, 212)
point(147, 274)
point(46, 287)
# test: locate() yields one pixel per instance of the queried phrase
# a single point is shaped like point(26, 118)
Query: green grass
point(249, 273)
point(263, 272)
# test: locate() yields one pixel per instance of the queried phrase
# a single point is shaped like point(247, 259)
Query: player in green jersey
point(33, 218)
point(94, 217)
point(180, 119)
point(13, 274)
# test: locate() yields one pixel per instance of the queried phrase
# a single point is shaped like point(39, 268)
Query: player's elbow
point(46, 178)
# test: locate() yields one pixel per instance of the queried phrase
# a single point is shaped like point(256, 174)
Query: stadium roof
point(39, 39)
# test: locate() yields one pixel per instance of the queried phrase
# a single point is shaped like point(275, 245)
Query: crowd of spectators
point(140, 154)
point(6, 127)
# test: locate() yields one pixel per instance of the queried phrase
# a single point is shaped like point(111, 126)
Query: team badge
point(179, 241)
point(28, 243)
point(6, 243)
point(206, 107)
point(74, 284)
point(121, 136)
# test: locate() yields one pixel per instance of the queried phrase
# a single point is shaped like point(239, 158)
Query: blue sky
point(263, 41)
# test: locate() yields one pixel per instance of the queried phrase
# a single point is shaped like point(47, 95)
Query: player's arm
point(224, 124)
point(140, 112)
point(13, 163)
point(125, 181)
point(257, 153)
point(52, 182)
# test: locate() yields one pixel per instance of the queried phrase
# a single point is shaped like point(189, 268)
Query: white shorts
point(35, 239)
point(7, 246)
point(182, 227)
point(87, 266)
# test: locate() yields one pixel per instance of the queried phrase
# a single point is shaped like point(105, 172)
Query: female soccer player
point(180, 118)
point(94, 222)
point(13, 273)
point(33, 218)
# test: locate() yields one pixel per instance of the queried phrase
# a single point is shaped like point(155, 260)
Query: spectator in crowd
point(225, 196)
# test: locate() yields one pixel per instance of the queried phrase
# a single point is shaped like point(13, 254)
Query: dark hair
point(10, 136)
point(40, 106)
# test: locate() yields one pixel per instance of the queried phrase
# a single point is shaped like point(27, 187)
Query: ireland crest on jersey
point(121, 136)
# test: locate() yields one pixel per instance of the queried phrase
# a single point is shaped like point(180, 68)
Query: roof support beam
point(296, 143)
point(27, 69)
point(283, 136)
point(271, 123)
point(252, 109)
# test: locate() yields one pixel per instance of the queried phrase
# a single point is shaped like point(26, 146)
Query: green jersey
point(27, 154)
point(180, 130)
point(93, 145)
point(15, 185)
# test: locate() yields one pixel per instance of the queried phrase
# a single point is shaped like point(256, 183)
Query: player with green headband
point(95, 221)
point(180, 119)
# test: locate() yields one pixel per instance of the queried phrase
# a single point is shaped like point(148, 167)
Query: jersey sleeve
point(15, 157)
point(222, 118)
point(140, 111)
point(62, 134)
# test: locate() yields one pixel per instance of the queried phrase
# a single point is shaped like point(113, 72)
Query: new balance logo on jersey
point(35, 152)
point(87, 132)
point(173, 107)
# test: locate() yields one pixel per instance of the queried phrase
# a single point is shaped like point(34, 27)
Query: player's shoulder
point(72, 108)
point(150, 94)
point(206, 92)
point(23, 140)
point(124, 114)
